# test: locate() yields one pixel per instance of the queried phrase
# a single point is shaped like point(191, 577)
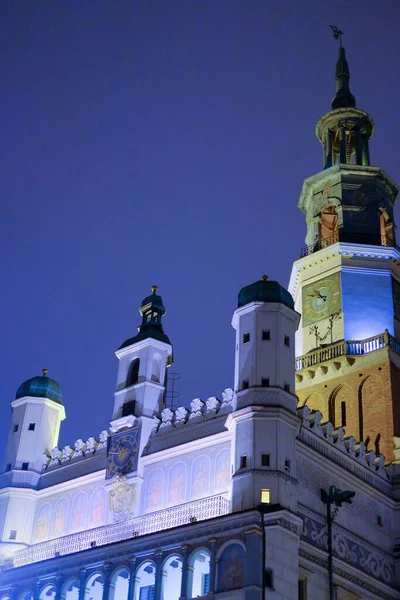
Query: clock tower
point(346, 283)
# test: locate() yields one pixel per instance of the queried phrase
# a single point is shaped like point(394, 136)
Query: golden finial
point(154, 288)
point(44, 371)
point(264, 277)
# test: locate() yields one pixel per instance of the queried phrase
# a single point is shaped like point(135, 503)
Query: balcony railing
point(199, 510)
point(347, 348)
point(350, 238)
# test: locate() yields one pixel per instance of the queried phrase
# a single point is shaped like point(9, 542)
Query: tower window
point(343, 411)
point(379, 520)
point(8, 467)
point(13, 534)
point(31, 427)
point(133, 373)
point(246, 337)
point(266, 335)
point(287, 341)
point(265, 460)
point(269, 578)
point(25, 466)
point(265, 382)
point(302, 589)
point(243, 462)
point(15, 428)
point(287, 465)
point(286, 387)
point(245, 384)
point(265, 496)
point(128, 408)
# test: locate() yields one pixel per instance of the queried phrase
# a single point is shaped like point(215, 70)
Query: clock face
point(122, 453)
point(321, 299)
point(396, 298)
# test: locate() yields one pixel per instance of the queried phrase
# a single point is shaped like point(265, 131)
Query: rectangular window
point(302, 589)
point(128, 408)
point(15, 428)
point(205, 585)
point(243, 462)
point(287, 465)
point(147, 592)
point(286, 387)
point(8, 467)
point(31, 427)
point(13, 534)
point(265, 496)
point(266, 335)
point(246, 337)
point(265, 460)
point(343, 409)
point(265, 382)
point(287, 341)
point(245, 384)
point(25, 466)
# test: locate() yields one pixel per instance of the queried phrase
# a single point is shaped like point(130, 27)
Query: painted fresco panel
point(231, 568)
point(177, 484)
point(201, 477)
point(154, 491)
point(42, 523)
point(60, 520)
point(98, 507)
point(222, 470)
point(79, 512)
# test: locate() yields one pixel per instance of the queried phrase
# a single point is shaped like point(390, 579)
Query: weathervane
point(337, 33)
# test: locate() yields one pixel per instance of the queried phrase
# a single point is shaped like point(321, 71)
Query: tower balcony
point(346, 351)
point(367, 239)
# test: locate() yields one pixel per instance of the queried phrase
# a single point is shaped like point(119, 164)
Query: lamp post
point(336, 497)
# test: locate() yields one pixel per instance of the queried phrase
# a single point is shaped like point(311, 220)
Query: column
point(36, 590)
point(342, 138)
point(157, 587)
point(132, 577)
point(184, 582)
point(82, 584)
point(365, 147)
point(107, 576)
point(213, 564)
point(14, 592)
point(58, 584)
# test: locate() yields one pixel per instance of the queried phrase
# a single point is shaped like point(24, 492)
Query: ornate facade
point(222, 498)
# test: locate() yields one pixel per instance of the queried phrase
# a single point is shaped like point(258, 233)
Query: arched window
point(199, 574)
point(156, 368)
point(70, 590)
point(386, 227)
point(48, 593)
point(171, 579)
point(133, 373)
point(94, 587)
point(328, 227)
point(119, 585)
point(145, 581)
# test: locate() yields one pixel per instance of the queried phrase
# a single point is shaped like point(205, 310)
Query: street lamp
point(336, 497)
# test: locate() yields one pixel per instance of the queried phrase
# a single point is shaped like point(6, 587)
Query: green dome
point(265, 291)
point(40, 387)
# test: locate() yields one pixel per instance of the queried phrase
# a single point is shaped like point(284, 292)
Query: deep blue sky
point(162, 141)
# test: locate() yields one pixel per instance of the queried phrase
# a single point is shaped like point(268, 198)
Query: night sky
point(163, 142)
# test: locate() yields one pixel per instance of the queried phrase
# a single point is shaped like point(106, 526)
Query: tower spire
point(343, 97)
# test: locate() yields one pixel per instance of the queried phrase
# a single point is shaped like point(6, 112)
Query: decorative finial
point(337, 33)
point(264, 277)
point(154, 288)
point(44, 371)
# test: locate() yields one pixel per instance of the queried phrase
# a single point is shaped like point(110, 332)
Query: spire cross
point(337, 33)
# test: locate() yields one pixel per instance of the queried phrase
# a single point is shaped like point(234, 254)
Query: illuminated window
point(13, 534)
point(266, 335)
point(287, 341)
point(246, 337)
point(31, 427)
point(265, 496)
point(265, 460)
point(265, 382)
point(243, 462)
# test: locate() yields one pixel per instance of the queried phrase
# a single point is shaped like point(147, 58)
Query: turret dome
point(265, 291)
point(40, 387)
